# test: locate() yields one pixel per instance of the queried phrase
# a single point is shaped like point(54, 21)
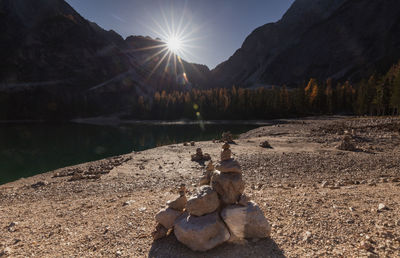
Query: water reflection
point(29, 149)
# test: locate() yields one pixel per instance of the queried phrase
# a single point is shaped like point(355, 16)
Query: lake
point(30, 149)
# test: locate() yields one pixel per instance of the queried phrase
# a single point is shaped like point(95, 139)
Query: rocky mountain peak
point(317, 38)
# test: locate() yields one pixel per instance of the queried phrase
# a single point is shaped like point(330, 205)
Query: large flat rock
point(246, 221)
point(201, 233)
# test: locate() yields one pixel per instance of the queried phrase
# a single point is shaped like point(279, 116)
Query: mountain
point(53, 56)
point(338, 39)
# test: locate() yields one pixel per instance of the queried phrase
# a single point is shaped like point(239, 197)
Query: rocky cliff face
point(340, 39)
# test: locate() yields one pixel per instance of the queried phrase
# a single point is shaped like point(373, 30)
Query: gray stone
point(204, 201)
point(230, 165)
point(167, 217)
point(229, 186)
point(246, 222)
point(201, 233)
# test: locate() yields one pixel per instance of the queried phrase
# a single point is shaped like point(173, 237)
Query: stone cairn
point(218, 212)
point(227, 137)
point(200, 157)
point(347, 144)
point(266, 145)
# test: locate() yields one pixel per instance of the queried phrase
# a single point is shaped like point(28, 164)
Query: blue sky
point(214, 29)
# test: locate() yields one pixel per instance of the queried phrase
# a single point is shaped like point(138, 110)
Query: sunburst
point(174, 44)
point(177, 41)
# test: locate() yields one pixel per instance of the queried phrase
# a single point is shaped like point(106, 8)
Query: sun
point(174, 44)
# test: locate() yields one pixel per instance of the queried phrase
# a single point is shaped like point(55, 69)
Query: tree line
point(379, 95)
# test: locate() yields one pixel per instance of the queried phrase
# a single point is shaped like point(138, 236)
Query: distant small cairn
point(265, 144)
point(347, 144)
point(227, 137)
point(200, 157)
point(217, 212)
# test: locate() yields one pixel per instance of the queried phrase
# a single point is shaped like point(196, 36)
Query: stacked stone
point(227, 137)
point(347, 144)
point(218, 212)
point(206, 178)
point(166, 217)
point(199, 156)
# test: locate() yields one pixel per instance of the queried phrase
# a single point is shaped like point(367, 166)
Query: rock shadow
point(170, 247)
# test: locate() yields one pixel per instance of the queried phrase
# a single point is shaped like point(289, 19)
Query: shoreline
point(303, 185)
point(113, 121)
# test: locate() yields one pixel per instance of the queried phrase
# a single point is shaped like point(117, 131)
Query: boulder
point(201, 233)
point(246, 221)
point(178, 204)
point(229, 186)
point(230, 165)
point(167, 217)
point(204, 201)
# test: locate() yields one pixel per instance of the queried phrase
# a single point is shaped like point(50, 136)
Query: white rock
point(382, 207)
point(307, 236)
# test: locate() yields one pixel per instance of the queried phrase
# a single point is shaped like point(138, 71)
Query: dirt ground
point(321, 201)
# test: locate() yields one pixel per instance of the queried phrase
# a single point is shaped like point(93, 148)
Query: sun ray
point(155, 55)
point(157, 65)
point(168, 60)
point(148, 48)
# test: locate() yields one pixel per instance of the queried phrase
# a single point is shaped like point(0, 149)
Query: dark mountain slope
point(53, 57)
point(341, 39)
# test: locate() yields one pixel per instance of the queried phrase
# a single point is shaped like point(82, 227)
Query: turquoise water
point(30, 149)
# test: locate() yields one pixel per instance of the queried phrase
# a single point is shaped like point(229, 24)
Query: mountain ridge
point(275, 63)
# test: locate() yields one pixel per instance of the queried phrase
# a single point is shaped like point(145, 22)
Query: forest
point(377, 95)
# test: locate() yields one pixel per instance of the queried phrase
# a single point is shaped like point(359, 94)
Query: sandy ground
point(321, 201)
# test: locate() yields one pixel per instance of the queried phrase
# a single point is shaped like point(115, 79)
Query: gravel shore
point(321, 201)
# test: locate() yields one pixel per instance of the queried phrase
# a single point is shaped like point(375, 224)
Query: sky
point(210, 30)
